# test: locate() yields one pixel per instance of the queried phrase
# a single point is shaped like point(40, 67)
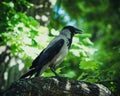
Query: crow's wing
point(35, 61)
point(47, 54)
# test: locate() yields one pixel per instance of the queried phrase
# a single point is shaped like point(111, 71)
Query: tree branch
point(43, 86)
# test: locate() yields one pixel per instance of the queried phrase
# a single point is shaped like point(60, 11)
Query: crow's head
point(69, 31)
point(72, 29)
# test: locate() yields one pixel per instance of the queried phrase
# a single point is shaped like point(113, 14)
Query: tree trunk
point(43, 86)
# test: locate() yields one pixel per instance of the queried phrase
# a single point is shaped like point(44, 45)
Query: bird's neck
point(69, 36)
point(67, 33)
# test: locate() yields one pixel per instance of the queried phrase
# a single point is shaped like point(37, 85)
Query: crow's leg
point(53, 70)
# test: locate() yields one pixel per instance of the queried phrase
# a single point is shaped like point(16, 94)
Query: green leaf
point(90, 64)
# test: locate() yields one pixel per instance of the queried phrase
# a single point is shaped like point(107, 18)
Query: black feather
point(34, 63)
point(48, 54)
point(45, 56)
point(29, 73)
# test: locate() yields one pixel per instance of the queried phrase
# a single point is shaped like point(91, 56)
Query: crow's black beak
point(78, 31)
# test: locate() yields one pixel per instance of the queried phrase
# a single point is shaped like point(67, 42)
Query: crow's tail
point(29, 73)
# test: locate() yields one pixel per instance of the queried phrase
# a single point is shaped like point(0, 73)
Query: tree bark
point(43, 86)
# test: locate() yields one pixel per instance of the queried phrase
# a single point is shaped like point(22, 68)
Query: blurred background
point(27, 26)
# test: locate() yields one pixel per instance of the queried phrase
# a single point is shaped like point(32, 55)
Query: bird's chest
point(60, 56)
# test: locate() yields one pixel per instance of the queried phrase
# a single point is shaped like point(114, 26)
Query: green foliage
point(20, 32)
point(10, 8)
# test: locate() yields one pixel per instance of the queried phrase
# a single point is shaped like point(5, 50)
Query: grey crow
point(54, 53)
